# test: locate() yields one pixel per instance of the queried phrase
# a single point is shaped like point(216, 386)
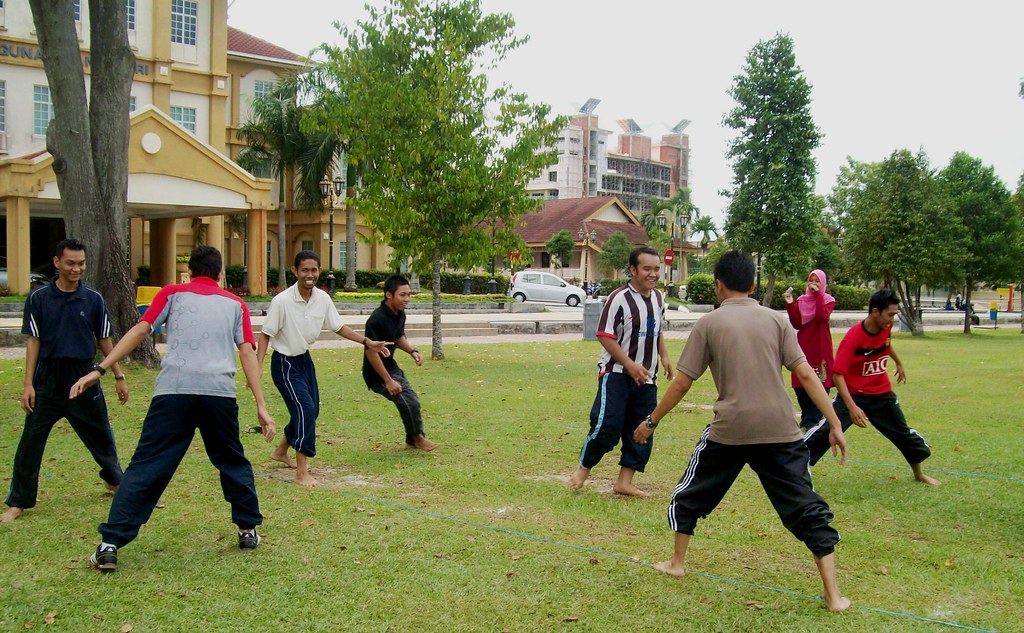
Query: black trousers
point(884, 413)
point(785, 475)
point(167, 432)
point(88, 417)
point(809, 413)
point(619, 407)
point(408, 404)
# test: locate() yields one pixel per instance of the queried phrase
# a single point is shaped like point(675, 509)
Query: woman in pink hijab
point(810, 314)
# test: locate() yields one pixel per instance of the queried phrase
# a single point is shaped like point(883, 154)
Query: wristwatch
point(96, 367)
point(649, 422)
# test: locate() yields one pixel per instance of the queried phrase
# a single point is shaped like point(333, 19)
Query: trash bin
point(591, 316)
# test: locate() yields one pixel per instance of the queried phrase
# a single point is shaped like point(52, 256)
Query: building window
point(78, 10)
point(270, 252)
point(129, 11)
point(262, 169)
point(262, 88)
point(307, 245)
point(343, 253)
point(42, 109)
point(131, 103)
point(3, 100)
point(184, 17)
point(552, 176)
point(186, 117)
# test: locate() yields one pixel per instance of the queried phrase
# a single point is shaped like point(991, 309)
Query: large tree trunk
point(88, 139)
point(350, 228)
point(436, 349)
point(909, 308)
point(967, 309)
point(769, 290)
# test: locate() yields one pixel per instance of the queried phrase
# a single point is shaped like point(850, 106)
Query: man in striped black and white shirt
point(630, 331)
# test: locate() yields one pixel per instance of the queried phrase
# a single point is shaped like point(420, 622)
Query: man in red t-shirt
point(865, 392)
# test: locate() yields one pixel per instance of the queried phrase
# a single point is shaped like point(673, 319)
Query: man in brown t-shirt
point(744, 345)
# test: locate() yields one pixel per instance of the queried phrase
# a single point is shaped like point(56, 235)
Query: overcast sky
point(940, 75)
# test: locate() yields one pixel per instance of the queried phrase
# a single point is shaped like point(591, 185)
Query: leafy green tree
point(561, 246)
point(88, 139)
point(771, 209)
point(990, 221)
point(615, 252)
point(900, 229)
point(448, 156)
point(274, 135)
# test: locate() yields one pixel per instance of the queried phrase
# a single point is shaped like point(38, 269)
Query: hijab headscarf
point(808, 301)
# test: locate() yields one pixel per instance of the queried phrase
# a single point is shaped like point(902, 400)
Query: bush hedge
point(849, 298)
point(700, 289)
point(451, 282)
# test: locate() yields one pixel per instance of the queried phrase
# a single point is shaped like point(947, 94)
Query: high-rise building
point(637, 171)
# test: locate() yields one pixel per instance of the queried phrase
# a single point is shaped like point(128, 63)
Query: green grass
point(483, 535)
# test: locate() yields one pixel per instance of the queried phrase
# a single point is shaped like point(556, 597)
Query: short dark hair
point(882, 299)
point(634, 255)
point(735, 269)
point(302, 256)
point(205, 261)
point(70, 244)
point(393, 283)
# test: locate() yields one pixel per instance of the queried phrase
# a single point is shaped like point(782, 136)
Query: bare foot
point(671, 568)
point(630, 490)
point(280, 455)
point(109, 486)
point(306, 479)
point(11, 514)
point(840, 603)
point(925, 479)
point(424, 444)
point(577, 478)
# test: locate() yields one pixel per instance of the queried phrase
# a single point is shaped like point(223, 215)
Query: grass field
point(483, 535)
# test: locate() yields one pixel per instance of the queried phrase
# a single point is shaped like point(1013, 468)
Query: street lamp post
point(587, 239)
point(330, 194)
point(683, 219)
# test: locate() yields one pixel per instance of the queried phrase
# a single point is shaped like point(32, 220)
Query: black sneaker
point(248, 539)
point(104, 558)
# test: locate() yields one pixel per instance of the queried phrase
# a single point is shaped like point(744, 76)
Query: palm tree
point(705, 226)
point(274, 135)
point(680, 211)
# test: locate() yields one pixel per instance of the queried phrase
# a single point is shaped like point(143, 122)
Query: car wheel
point(520, 297)
point(572, 301)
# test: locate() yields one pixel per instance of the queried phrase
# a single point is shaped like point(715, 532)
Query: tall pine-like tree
point(771, 208)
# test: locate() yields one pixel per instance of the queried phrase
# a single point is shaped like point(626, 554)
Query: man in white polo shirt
point(293, 322)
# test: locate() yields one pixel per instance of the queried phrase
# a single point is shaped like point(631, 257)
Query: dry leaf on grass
point(127, 628)
point(705, 600)
point(753, 603)
point(309, 522)
point(571, 618)
point(51, 617)
point(883, 570)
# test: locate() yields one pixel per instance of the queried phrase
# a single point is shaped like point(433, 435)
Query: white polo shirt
point(293, 324)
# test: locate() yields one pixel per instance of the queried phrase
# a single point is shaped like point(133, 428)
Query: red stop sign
point(669, 257)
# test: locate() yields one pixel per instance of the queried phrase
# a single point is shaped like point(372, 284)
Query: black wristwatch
point(649, 422)
point(96, 367)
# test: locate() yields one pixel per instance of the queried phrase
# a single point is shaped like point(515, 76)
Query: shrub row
point(451, 282)
point(700, 289)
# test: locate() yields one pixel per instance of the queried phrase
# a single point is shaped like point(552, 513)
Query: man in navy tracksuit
point(62, 323)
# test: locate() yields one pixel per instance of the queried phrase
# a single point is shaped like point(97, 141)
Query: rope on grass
point(630, 559)
point(959, 473)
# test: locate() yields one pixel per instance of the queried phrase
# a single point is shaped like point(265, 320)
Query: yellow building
point(194, 80)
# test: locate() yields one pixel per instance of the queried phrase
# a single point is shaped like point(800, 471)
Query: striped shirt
point(635, 322)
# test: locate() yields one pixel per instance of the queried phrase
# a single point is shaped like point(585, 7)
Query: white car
point(532, 285)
